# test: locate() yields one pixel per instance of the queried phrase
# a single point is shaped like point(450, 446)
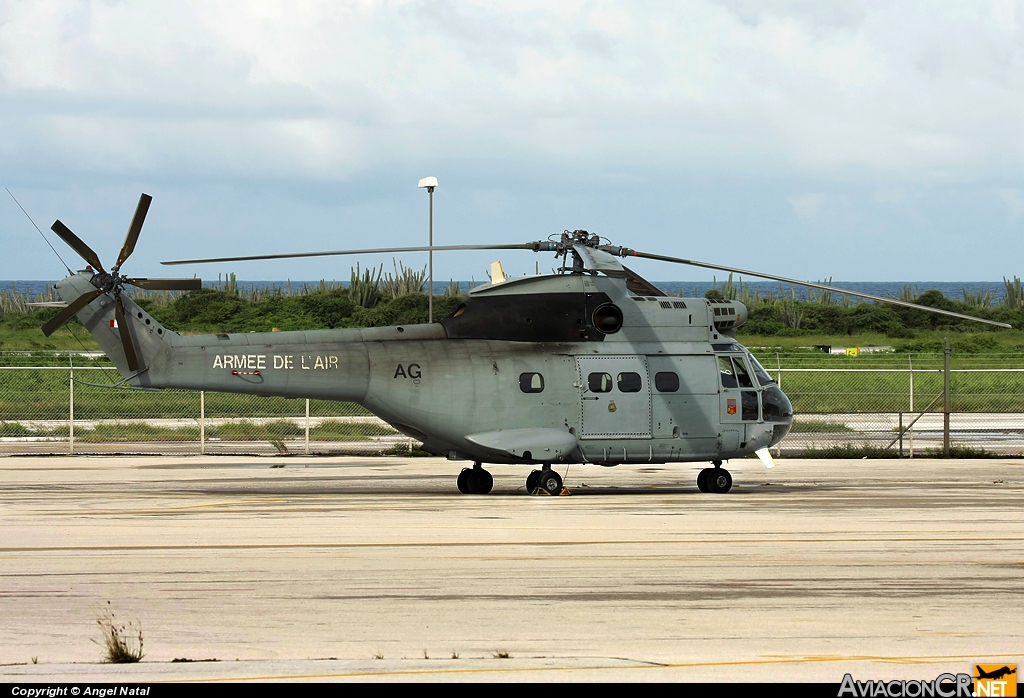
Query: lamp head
point(428, 183)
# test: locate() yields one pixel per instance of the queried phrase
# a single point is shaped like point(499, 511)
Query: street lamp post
point(429, 183)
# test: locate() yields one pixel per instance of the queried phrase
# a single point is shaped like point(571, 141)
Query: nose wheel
point(546, 479)
point(475, 480)
point(717, 480)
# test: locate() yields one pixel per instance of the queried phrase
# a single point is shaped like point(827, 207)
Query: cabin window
point(725, 370)
point(531, 382)
point(666, 382)
point(599, 382)
point(630, 382)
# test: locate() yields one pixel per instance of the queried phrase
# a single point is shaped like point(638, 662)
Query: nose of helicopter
point(778, 410)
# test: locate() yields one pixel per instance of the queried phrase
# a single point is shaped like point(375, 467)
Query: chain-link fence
point(883, 405)
point(76, 409)
point(894, 404)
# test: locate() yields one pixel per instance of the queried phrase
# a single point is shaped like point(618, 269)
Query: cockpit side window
point(726, 372)
point(742, 374)
point(763, 377)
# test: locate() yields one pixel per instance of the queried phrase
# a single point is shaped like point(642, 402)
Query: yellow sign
point(995, 680)
point(853, 351)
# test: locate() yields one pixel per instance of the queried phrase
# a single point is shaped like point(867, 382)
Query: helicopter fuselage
point(543, 369)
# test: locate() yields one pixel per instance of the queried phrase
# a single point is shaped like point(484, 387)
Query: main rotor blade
point(168, 284)
point(639, 285)
point(626, 252)
point(76, 244)
point(134, 229)
point(124, 330)
point(535, 246)
point(69, 312)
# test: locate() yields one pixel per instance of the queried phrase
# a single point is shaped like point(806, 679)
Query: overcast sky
point(860, 140)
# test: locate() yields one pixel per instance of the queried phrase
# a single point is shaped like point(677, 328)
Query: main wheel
point(702, 480)
point(532, 481)
point(463, 481)
point(480, 481)
point(551, 482)
point(719, 481)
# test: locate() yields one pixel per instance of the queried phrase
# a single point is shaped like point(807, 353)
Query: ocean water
point(689, 289)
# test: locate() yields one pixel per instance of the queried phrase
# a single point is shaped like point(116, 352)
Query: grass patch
point(246, 430)
point(961, 451)
point(281, 430)
point(847, 451)
point(121, 432)
point(121, 641)
point(860, 451)
point(339, 430)
point(403, 451)
point(277, 432)
point(814, 427)
point(12, 429)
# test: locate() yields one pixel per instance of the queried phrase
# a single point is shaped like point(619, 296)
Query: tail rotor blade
point(69, 312)
point(76, 244)
point(124, 329)
point(134, 229)
point(168, 284)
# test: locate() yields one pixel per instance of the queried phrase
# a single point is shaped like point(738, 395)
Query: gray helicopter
point(590, 364)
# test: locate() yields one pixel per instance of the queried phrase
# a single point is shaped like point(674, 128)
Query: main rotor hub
point(109, 282)
point(570, 239)
point(579, 237)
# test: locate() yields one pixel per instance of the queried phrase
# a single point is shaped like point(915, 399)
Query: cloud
point(1013, 200)
point(792, 86)
point(630, 118)
point(895, 195)
point(807, 205)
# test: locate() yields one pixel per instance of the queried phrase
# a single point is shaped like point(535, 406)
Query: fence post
point(945, 398)
point(71, 412)
point(901, 434)
point(778, 362)
point(202, 422)
point(910, 358)
point(307, 426)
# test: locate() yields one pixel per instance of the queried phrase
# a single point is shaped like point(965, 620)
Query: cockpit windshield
point(762, 375)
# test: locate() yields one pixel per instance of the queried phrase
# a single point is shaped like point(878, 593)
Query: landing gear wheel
point(719, 481)
point(480, 481)
point(463, 481)
point(533, 481)
point(702, 479)
point(551, 482)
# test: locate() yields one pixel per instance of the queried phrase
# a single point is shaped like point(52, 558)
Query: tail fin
point(150, 339)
